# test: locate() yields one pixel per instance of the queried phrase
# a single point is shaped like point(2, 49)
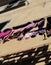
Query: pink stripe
point(2, 34)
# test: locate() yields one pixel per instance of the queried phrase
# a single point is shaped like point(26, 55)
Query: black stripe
point(3, 24)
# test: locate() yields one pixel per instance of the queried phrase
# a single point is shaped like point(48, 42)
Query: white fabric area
point(27, 35)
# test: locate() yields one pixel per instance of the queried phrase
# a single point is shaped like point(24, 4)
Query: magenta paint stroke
point(32, 25)
point(3, 34)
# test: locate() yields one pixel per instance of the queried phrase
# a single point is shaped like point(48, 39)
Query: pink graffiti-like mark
point(8, 32)
point(3, 34)
point(31, 34)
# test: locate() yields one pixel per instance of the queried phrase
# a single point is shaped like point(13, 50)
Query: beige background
point(35, 10)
